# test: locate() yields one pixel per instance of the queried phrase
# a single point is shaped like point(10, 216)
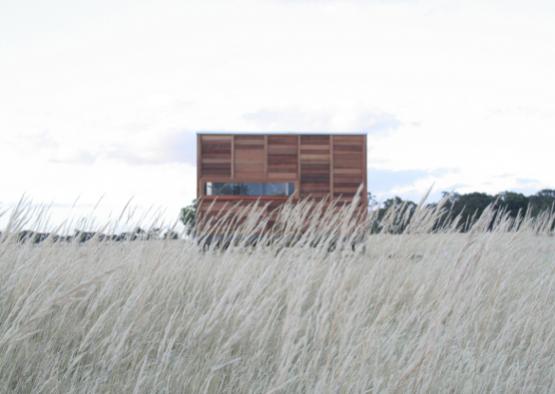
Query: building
point(241, 168)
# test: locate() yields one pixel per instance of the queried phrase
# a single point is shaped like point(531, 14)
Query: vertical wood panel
point(298, 186)
point(282, 157)
point(200, 193)
point(315, 166)
point(331, 167)
point(215, 152)
point(233, 156)
point(266, 157)
point(365, 170)
point(249, 157)
point(349, 160)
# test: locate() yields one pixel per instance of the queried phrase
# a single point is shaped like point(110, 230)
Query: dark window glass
point(249, 189)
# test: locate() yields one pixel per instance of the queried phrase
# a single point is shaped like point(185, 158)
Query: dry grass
point(416, 312)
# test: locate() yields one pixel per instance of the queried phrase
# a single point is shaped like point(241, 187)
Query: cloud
point(376, 122)
point(358, 2)
point(130, 156)
point(411, 184)
point(76, 156)
point(528, 181)
point(290, 119)
point(382, 181)
point(46, 146)
point(527, 186)
point(166, 148)
point(169, 148)
point(294, 119)
point(181, 147)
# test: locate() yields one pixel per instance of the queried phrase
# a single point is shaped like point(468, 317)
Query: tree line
point(468, 208)
point(138, 234)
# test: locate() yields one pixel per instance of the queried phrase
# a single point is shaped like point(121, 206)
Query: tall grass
point(337, 310)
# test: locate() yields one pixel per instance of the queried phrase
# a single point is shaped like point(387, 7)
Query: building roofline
point(224, 132)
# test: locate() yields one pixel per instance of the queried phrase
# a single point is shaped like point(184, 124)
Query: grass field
point(414, 312)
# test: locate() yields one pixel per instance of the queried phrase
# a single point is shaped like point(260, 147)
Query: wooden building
point(240, 168)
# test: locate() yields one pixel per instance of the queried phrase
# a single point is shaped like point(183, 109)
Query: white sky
point(102, 98)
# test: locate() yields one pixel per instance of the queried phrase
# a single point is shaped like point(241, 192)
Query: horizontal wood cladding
point(215, 155)
point(348, 165)
point(249, 157)
point(319, 165)
point(282, 157)
point(315, 163)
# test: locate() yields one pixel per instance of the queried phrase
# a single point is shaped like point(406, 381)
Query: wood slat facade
point(316, 165)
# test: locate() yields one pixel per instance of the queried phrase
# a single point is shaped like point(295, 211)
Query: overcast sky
point(102, 98)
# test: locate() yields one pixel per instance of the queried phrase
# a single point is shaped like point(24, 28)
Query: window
point(249, 189)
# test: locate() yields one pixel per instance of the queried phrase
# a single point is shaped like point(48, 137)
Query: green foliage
point(466, 208)
point(513, 203)
point(396, 212)
point(188, 215)
point(542, 201)
point(372, 201)
point(469, 207)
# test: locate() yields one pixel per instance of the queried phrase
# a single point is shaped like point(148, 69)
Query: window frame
point(288, 183)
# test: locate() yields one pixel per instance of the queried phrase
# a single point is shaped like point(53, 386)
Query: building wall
point(319, 165)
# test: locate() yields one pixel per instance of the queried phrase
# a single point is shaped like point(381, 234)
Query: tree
point(542, 201)
point(513, 203)
point(372, 201)
point(394, 215)
point(468, 206)
point(188, 216)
